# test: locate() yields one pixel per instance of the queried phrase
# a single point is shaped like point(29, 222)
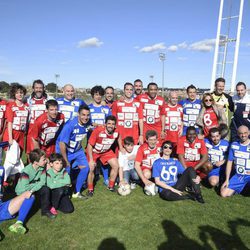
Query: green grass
point(109, 221)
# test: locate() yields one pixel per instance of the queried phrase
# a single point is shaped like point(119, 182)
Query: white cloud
point(173, 48)
point(153, 48)
point(89, 43)
point(182, 45)
point(205, 45)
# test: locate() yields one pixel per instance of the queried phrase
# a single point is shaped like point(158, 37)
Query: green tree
point(51, 87)
point(4, 87)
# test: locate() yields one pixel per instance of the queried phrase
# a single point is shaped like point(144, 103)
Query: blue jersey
point(69, 108)
point(217, 152)
point(167, 170)
point(191, 110)
point(72, 135)
point(99, 114)
point(240, 155)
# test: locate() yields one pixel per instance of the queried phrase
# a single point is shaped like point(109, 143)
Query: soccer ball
point(124, 189)
point(151, 189)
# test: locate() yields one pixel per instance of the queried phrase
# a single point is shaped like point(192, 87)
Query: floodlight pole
point(162, 57)
point(56, 76)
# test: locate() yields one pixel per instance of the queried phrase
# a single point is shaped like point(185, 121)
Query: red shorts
point(146, 168)
point(103, 157)
point(49, 150)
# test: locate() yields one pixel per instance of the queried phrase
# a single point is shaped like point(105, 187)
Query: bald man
point(174, 119)
point(68, 104)
point(239, 158)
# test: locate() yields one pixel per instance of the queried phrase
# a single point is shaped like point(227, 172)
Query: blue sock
point(105, 172)
point(81, 178)
point(25, 208)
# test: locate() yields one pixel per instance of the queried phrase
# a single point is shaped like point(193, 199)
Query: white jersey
point(127, 160)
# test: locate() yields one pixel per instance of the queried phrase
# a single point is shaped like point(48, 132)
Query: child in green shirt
point(57, 184)
point(32, 179)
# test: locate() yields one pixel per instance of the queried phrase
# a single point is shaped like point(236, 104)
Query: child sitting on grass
point(32, 179)
point(56, 193)
point(127, 172)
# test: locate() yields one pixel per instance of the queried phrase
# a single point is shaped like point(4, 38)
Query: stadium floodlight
point(56, 76)
point(162, 57)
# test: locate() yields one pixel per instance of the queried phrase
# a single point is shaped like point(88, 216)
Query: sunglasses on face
point(208, 100)
point(169, 147)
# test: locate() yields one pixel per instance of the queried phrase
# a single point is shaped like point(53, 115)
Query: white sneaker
point(133, 185)
point(79, 196)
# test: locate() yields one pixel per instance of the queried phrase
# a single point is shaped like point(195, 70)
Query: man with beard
point(153, 111)
point(37, 107)
point(241, 114)
point(191, 108)
point(99, 148)
point(239, 159)
point(217, 156)
point(109, 97)
point(138, 86)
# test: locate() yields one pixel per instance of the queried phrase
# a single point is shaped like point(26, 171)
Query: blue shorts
point(220, 172)
point(238, 182)
point(4, 211)
point(78, 159)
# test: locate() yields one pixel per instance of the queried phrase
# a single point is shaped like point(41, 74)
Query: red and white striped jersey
point(128, 115)
point(101, 141)
point(45, 131)
point(18, 115)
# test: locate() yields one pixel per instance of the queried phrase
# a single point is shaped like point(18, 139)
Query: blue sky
point(114, 41)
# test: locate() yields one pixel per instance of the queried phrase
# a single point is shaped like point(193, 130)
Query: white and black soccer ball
point(124, 189)
point(151, 189)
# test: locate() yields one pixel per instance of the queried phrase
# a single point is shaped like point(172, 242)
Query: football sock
point(111, 183)
point(91, 187)
point(25, 208)
point(81, 178)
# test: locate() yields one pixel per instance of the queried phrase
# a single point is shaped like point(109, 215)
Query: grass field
point(109, 221)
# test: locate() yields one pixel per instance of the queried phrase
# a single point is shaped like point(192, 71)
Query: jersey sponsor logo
point(150, 119)
point(151, 106)
point(50, 130)
point(102, 135)
point(66, 108)
point(235, 146)
point(120, 104)
point(144, 100)
point(128, 124)
point(129, 109)
point(240, 154)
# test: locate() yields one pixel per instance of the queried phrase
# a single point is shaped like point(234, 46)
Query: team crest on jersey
point(158, 102)
point(115, 134)
point(197, 145)
point(248, 148)
point(179, 109)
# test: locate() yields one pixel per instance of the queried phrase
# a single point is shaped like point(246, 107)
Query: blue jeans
point(130, 175)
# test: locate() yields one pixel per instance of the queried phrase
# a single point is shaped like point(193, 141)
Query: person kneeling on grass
point(127, 172)
point(56, 193)
point(32, 179)
point(165, 173)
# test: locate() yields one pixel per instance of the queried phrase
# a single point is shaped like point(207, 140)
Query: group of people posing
point(140, 138)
